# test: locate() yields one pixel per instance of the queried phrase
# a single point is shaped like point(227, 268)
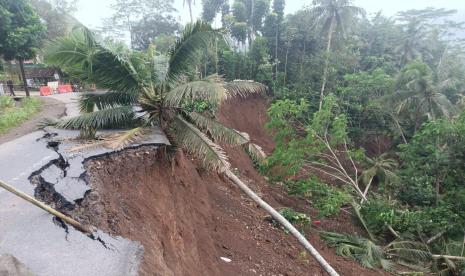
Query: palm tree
point(333, 16)
point(417, 97)
point(381, 168)
point(410, 46)
point(147, 89)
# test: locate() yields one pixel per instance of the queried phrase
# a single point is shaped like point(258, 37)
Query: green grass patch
point(12, 114)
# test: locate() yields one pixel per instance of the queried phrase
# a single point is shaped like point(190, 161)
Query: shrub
point(328, 200)
point(11, 116)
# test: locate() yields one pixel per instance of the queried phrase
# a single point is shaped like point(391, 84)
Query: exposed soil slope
point(187, 218)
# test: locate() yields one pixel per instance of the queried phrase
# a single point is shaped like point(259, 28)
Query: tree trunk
point(276, 59)
point(284, 222)
point(326, 69)
point(285, 66)
point(302, 61)
point(23, 76)
point(46, 208)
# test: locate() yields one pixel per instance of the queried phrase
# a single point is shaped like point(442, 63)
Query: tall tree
point(251, 14)
point(334, 17)
point(129, 13)
point(210, 8)
point(272, 29)
point(57, 16)
point(152, 26)
point(21, 33)
point(418, 98)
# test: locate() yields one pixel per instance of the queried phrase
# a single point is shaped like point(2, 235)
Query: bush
point(11, 116)
point(328, 200)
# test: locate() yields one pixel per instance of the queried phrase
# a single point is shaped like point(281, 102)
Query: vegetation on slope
point(13, 114)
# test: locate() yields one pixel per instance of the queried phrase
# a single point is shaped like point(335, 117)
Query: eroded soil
point(187, 218)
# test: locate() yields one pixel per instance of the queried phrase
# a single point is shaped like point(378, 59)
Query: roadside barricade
point(65, 88)
point(45, 91)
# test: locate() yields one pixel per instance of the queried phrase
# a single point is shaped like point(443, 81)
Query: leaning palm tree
point(146, 90)
point(334, 17)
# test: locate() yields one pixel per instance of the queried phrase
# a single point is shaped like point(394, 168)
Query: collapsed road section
point(41, 166)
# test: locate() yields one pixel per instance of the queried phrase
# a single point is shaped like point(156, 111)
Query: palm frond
point(107, 100)
point(122, 140)
point(102, 119)
point(218, 131)
point(210, 89)
point(110, 66)
point(256, 152)
point(367, 253)
point(243, 88)
point(410, 251)
point(194, 141)
point(230, 136)
point(196, 38)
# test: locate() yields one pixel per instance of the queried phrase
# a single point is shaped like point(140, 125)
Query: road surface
point(32, 236)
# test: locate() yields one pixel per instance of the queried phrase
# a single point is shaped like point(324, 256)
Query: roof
point(40, 73)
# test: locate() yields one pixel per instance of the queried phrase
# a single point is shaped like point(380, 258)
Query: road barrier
point(62, 88)
point(45, 91)
point(65, 88)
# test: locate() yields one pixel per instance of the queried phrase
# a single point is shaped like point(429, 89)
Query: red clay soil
point(187, 218)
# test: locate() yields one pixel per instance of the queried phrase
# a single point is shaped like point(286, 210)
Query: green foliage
point(328, 200)
point(285, 116)
point(12, 115)
point(297, 219)
point(433, 159)
point(20, 30)
point(426, 222)
point(198, 106)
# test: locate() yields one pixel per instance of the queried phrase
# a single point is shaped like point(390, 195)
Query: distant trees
point(141, 20)
point(20, 33)
point(57, 15)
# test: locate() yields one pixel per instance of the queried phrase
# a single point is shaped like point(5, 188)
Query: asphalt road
point(32, 236)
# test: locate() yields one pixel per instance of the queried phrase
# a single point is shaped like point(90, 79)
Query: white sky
point(92, 11)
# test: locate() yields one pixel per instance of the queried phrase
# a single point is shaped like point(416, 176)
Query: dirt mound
point(188, 219)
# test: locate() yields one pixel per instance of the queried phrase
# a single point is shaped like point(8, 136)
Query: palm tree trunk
point(326, 69)
point(46, 208)
point(276, 59)
point(283, 221)
point(285, 65)
point(302, 60)
point(23, 76)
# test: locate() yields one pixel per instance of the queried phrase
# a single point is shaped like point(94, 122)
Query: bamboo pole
point(283, 221)
point(30, 199)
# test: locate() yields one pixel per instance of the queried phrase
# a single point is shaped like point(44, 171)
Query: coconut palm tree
point(417, 97)
point(334, 17)
point(146, 89)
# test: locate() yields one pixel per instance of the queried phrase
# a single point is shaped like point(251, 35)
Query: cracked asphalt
point(31, 235)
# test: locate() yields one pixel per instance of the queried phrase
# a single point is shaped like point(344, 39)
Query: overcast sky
point(92, 11)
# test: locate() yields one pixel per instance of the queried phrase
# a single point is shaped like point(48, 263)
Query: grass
point(12, 115)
